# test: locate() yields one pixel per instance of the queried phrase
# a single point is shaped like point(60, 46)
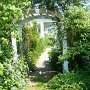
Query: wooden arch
point(42, 13)
point(39, 13)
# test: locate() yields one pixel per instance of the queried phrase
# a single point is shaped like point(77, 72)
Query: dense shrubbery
point(32, 43)
point(13, 74)
point(53, 57)
point(50, 38)
point(48, 41)
point(77, 25)
point(69, 81)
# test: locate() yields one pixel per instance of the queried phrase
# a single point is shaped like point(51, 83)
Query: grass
point(40, 86)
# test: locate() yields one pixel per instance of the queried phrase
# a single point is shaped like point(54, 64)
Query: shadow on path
point(43, 71)
point(42, 75)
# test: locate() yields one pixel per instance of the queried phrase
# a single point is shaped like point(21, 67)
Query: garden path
point(43, 72)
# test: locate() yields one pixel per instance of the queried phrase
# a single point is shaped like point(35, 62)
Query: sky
point(86, 4)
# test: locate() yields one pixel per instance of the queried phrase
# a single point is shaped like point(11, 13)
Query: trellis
point(42, 13)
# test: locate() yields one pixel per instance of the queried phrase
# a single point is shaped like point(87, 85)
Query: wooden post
point(14, 45)
point(64, 42)
point(42, 29)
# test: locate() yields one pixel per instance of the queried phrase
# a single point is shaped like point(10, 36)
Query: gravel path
point(43, 72)
point(43, 58)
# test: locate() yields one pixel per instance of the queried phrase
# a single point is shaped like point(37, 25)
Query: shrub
point(53, 57)
point(9, 70)
point(49, 41)
point(14, 75)
point(69, 81)
point(77, 26)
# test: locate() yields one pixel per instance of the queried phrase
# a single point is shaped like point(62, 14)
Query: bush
point(77, 26)
point(49, 41)
point(53, 57)
point(33, 45)
point(14, 75)
point(69, 81)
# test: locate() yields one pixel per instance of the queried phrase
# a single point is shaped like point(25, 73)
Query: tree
point(77, 22)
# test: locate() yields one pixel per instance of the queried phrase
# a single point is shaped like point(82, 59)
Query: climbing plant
point(12, 74)
point(77, 25)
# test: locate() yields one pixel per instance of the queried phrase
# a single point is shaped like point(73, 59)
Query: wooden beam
point(44, 11)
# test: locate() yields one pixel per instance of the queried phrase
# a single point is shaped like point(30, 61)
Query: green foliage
point(1, 69)
point(5, 49)
point(77, 25)
point(22, 4)
point(50, 35)
point(53, 57)
point(69, 81)
point(32, 43)
point(49, 41)
point(14, 75)
point(50, 4)
point(9, 16)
